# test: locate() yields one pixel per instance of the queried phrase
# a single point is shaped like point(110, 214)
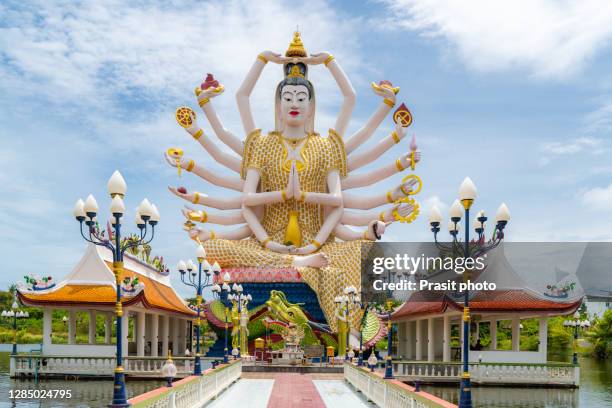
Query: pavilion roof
point(92, 283)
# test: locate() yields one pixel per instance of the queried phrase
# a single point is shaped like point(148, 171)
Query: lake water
point(595, 391)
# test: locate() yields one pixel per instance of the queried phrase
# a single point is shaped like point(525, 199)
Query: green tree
point(600, 335)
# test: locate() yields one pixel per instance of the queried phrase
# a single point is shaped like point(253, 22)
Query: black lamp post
point(15, 314)
point(146, 214)
point(576, 323)
point(195, 280)
point(461, 207)
point(225, 294)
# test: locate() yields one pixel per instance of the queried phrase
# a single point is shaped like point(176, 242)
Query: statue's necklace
point(294, 143)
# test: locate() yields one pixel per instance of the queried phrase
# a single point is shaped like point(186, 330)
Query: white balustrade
point(389, 394)
point(560, 374)
point(192, 392)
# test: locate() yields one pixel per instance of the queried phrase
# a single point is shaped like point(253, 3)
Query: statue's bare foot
point(318, 260)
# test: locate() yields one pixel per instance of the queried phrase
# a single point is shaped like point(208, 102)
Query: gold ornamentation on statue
point(402, 116)
point(398, 164)
point(389, 102)
point(385, 84)
point(414, 191)
point(262, 58)
point(295, 72)
point(176, 153)
point(198, 134)
point(185, 116)
point(293, 235)
point(196, 198)
point(390, 196)
point(395, 137)
point(203, 102)
point(190, 165)
point(329, 59)
point(413, 214)
point(296, 48)
point(316, 243)
point(381, 216)
point(265, 241)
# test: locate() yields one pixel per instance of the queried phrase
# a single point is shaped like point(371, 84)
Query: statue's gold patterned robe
point(320, 155)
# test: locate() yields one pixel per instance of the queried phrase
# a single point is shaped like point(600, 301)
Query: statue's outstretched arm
point(244, 92)
point(227, 137)
point(367, 203)
point(251, 218)
point(367, 179)
point(202, 234)
point(211, 147)
point(221, 203)
point(363, 134)
point(348, 92)
point(226, 218)
point(230, 182)
point(364, 218)
point(358, 160)
point(373, 232)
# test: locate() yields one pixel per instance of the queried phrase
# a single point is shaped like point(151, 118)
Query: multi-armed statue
point(293, 208)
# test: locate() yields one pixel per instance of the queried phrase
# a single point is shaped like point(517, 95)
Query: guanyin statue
point(293, 207)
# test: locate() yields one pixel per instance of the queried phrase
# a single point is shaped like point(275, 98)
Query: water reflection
point(595, 391)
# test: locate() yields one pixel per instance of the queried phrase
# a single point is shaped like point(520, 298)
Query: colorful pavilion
point(159, 319)
point(425, 321)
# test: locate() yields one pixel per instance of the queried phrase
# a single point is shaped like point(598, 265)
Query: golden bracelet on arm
point(265, 242)
point(262, 58)
point(302, 196)
point(389, 102)
point(203, 216)
point(398, 164)
point(329, 59)
point(316, 243)
point(389, 196)
point(198, 134)
point(212, 234)
point(365, 235)
point(190, 165)
point(381, 216)
point(203, 102)
point(395, 137)
point(284, 195)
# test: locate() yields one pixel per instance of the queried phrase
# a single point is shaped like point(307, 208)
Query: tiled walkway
point(290, 391)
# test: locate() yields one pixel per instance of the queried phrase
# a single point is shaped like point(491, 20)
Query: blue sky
point(515, 96)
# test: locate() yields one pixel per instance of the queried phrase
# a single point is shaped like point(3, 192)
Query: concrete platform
point(311, 369)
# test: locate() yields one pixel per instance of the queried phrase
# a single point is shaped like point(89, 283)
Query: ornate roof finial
point(296, 48)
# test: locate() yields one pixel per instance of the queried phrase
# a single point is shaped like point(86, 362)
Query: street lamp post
point(364, 308)
point(225, 294)
point(188, 269)
point(461, 207)
point(576, 324)
point(15, 314)
point(146, 215)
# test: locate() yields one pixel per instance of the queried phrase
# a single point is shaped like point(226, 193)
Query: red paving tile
point(294, 391)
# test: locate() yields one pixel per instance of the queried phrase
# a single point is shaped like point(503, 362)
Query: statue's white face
point(295, 105)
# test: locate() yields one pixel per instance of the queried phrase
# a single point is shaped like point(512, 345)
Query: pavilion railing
point(44, 365)
point(390, 393)
point(551, 373)
point(193, 391)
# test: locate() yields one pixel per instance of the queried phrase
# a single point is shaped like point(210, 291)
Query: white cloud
point(551, 39)
point(432, 201)
point(578, 145)
point(599, 198)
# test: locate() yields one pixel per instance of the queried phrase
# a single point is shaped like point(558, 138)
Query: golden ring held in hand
point(419, 184)
point(413, 214)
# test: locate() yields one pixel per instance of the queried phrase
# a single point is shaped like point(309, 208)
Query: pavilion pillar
point(125, 332)
point(181, 339)
point(175, 336)
point(47, 333)
point(543, 336)
point(493, 331)
point(92, 327)
point(154, 334)
point(165, 322)
point(401, 339)
point(140, 334)
point(419, 340)
point(71, 327)
point(516, 334)
point(108, 328)
point(446, 340)
point(409, 341)
point(430, 339)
